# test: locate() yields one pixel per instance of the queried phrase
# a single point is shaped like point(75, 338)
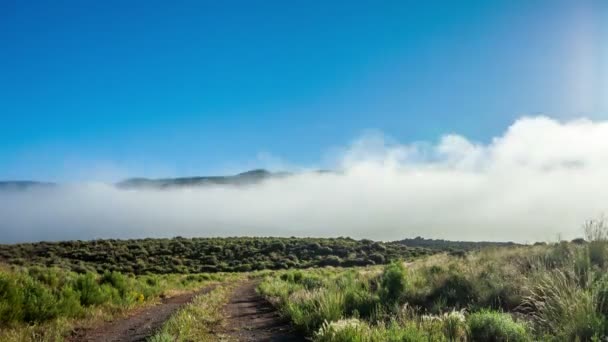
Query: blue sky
point(112, 88)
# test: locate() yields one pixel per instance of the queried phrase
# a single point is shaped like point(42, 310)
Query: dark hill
point(23, 185)
point(245, 178)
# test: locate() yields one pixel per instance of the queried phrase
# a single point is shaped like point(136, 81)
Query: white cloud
point(539, 179)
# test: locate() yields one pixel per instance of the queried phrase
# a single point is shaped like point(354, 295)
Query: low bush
point(360, 302)
point(91, 293)
point(393, 282)
point(496, 326)
point(309, 309)
point(40, 294)
point(454, 290)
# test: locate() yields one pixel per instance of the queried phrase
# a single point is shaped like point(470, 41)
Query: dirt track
point(140, 325)
point(249, 317)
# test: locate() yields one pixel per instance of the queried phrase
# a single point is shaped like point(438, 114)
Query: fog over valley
point(541, 178)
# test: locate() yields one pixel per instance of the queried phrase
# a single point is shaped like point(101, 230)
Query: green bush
point(310, 282)
point(69, 303)
point(360, 302)
point(39, 303)
point(118, 281)
point(11, 299)
point(91, 293)
point(598, 252)
point(455, 290)
point(393, 282)
point(493, 326)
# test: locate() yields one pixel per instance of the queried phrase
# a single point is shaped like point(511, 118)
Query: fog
point(540, 179)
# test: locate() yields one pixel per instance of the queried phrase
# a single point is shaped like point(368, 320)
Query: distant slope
point(439, 244)
point(23, 185)
point(245, 178)
point(193, 255)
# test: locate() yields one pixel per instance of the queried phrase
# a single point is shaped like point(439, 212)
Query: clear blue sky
point(185, 88)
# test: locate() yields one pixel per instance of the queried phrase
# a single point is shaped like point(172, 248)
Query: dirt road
point(140, 325)
point(249, 317)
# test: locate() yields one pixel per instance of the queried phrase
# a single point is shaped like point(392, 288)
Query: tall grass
point(41, 303)
point(553, 292)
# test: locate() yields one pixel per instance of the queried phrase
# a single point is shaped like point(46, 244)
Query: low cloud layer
point(539, 179)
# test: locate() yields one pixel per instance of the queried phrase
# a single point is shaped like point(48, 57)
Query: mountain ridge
point(249, 177)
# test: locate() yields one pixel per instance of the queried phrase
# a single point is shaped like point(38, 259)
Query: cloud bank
point(539, 179)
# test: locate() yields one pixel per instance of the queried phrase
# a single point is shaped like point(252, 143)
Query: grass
point(45, 304)
point(553, 292)
point(487, 325)
point(196, 320)
point(550, 292)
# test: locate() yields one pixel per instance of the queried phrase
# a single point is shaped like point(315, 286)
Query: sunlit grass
point(46, 304)
point(554, 292)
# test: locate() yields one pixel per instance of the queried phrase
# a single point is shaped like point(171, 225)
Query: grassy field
point(548, 292)
point(556, 292)
point(48, 289)
point(45, 304)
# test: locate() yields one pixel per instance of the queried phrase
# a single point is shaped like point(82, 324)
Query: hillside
point(442, 245)
point(244, 178)
point(187, 255)
point(23, 185)
point(241, 179)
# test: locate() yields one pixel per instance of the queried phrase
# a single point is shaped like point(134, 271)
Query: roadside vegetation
point(46, 303)
point(195, 255)
point(330, 289)
point(555, 292)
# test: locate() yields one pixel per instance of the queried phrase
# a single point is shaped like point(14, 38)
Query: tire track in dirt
point(140, 324)
point(251, 318)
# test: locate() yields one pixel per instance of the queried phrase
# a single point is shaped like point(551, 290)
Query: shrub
point(455, 290)
point(393, 282)
point(331, 260)
point(377, 257)
point(69, 303)
point(11, 299)
point(493, 326)
point(39, 304)
point(598, 253)
point(360, 302)
point(118, 281)
point(311, 282)
point(48, 276)
point(90, 291)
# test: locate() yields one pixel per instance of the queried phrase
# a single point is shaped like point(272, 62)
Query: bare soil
point(250, 317)
point(140, 324)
